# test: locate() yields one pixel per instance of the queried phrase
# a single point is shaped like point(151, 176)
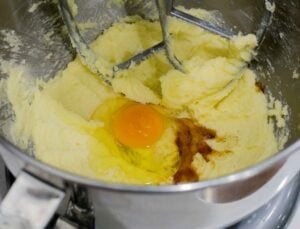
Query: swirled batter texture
point(155, 125)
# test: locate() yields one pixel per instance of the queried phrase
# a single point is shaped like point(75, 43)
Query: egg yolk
point(138, 125)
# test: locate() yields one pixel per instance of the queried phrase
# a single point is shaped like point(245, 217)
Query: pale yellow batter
point(69, 118)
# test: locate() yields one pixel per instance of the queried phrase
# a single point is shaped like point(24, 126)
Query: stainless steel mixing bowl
point(205, 204)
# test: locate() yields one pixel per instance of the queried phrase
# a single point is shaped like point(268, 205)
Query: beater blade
point(165, 9)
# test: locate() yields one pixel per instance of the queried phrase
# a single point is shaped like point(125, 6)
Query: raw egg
point(135, 142)
point(138, 125)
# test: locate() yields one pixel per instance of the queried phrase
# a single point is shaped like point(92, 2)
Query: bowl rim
point(243, 174)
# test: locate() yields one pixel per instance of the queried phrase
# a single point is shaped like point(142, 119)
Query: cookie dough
point(68, 119)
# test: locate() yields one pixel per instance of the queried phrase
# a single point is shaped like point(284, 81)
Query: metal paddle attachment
point(101, 67)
